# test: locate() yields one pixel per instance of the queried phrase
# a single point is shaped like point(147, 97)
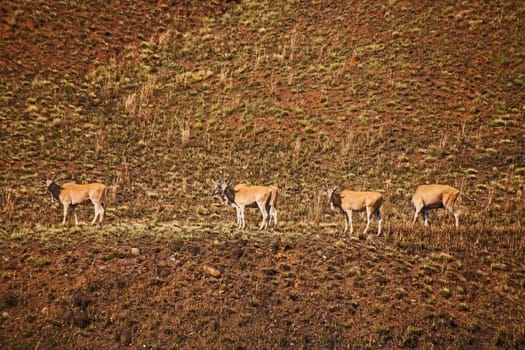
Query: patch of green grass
point(411, 336)
point(40, 262)
point(445, 292)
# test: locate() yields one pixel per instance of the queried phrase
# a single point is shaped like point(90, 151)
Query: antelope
point(350, 201)
point(71, 194)
point(435, 196)
point(242, 196)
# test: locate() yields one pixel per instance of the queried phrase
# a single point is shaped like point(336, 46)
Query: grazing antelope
point(71, 194)
point(435, 196)
point(349, 201)
point(251, 196)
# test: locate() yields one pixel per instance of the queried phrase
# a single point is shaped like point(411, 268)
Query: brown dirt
point(74, 37)
point(267, 292)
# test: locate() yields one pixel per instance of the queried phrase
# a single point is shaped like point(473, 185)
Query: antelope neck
point(54, 190)
point(229, 193)
point(335, 199)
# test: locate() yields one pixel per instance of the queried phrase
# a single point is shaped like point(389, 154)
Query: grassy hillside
point(156, 100)
point(377, 96)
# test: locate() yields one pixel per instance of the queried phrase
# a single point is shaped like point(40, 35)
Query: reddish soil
point(230, 293)
point(71, 38)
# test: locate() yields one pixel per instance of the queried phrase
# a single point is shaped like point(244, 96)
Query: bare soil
point(268, 291)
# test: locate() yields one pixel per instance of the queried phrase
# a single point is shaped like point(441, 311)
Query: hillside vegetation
point(157, 99)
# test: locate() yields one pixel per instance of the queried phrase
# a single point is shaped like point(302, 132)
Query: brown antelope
point(71, 194)
point(242, 195)
point(435, 196)
point(349, 201)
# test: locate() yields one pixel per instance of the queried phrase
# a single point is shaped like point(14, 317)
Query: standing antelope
point(71, 194)
point(348, 201)
point(251, 196)
point(435, 196)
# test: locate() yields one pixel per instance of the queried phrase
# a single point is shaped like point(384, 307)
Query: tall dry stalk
point(347, 143)
point(8, 206)
point(164, 39)
point(317, 209)
point(294, 38)
point(185, 132)
point(130, 104)
point(146, 92)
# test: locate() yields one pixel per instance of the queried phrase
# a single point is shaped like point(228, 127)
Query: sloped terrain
point(273, 291)
point(157, 99)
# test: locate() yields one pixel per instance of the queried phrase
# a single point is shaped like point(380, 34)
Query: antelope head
point(220, 187)
point(50, 183)
point(331, 194)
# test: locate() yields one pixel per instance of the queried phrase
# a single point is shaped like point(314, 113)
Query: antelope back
point(435, 193)
point(249, 194)
point(78, 193)
point(360, 200)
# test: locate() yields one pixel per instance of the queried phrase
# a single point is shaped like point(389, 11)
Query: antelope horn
point(56, 175)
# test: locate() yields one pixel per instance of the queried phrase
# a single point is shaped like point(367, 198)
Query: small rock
point(175, 261)
point(211, 271)
point(340, 244)
point(45, 310)
point(238, 253)
point(175, 246)
point(81, 299)
point(163, 271)
point(339, 276)
point(135, 251)
point(121, 253)
point(320, 254)
point(194, 250)
point(270, 272)
point(125, 337)
point(471, 276)
point(5, 314)
point(80, 319)
point(355, 271)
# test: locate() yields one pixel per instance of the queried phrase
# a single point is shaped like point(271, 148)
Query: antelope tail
point(271, 201)
point(274, 195)
point(104, 195)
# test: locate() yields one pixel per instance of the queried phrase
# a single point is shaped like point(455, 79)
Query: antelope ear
point(229, 180)
point(336, 188)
